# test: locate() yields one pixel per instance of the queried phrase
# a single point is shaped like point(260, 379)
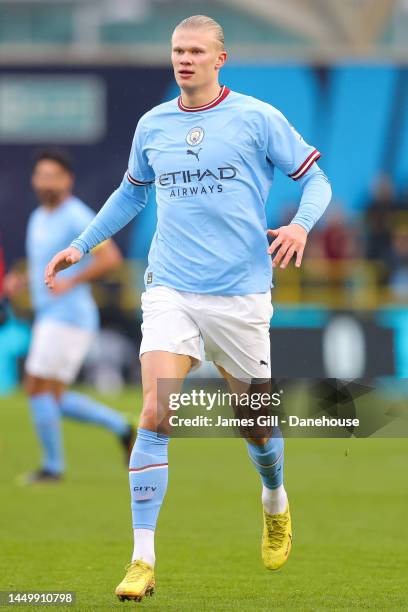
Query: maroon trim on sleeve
point(314, 156)
point(136, 182)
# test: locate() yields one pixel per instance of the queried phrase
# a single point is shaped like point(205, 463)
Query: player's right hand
point(62, 260)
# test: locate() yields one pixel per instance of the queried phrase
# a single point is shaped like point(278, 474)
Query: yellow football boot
point(138, 582)
point(276, 539)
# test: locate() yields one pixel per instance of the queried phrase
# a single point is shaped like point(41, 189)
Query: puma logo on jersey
point(190, 152)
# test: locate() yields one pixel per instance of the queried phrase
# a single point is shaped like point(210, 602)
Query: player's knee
point(35, 386)
point(31, 386)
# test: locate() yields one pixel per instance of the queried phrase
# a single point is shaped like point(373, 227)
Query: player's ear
point(221, 59)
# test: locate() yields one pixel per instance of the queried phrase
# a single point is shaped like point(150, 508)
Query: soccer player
point(212, 154)
point(2, 274)
point(66, 319)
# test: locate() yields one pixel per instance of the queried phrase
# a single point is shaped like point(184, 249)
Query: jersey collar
point(224, 91)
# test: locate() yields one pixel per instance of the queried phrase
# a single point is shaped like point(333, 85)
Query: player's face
point(51, 182)
point(196, 57)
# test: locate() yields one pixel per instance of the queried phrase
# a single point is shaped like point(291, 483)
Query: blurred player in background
point(212, 154)
point(2, 274)
point(66, 319)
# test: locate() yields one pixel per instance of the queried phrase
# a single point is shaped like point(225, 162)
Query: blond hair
point(202, 21)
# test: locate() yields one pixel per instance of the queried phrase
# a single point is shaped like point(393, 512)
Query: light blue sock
point(83, 408)
point(47, 420)
point(268, 460)
point(148, 472)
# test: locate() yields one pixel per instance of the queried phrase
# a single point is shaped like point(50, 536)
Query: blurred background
point(80, 73)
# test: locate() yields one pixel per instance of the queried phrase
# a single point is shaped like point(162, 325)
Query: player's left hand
point(289, 239)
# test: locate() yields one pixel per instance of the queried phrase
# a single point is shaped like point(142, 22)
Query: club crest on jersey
point(195, 136)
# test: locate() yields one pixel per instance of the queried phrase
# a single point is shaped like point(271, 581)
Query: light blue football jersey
point(48, 232)
point(213, 167)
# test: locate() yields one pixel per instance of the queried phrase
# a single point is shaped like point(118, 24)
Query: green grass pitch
point(349, 509)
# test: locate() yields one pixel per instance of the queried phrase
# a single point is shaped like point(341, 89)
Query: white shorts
point(57, 350)
point(233, 329)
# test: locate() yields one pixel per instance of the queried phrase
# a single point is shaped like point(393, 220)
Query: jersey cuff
point(81, 245)
point(98, 246)
point(134, 181)
point(309, 161)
